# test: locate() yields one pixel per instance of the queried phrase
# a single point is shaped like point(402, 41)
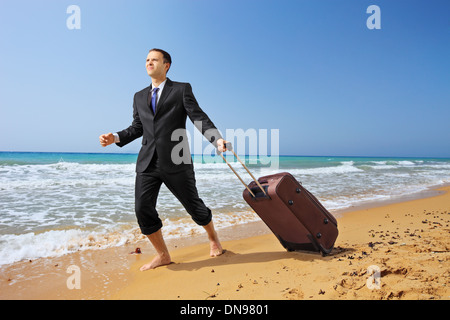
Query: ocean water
point(55, 203)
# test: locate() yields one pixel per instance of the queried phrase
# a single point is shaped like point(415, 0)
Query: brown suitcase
point(295, 216)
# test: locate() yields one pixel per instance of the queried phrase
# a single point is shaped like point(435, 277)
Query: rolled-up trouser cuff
point(149, 230)
point(205, 221)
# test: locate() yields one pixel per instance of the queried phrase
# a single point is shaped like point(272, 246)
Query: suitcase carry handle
point(230, 148)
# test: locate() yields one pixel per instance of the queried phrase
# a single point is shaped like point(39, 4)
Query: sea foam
point(86, 202)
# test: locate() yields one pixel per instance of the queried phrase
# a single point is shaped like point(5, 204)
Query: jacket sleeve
point(134, 131)
point(199, 118)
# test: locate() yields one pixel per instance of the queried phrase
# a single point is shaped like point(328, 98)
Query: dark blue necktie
point(154, 99)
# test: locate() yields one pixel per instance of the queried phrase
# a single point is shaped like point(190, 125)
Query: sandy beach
point(386, 251)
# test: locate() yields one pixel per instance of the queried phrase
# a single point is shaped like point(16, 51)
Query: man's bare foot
point(157, 261)
point(214, 243)
point(216, 248)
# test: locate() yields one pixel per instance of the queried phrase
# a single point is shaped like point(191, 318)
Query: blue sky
point(311, 69)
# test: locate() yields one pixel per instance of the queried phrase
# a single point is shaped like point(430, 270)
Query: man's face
point(156, 68)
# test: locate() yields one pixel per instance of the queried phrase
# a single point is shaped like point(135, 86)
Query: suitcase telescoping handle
point(230, 148)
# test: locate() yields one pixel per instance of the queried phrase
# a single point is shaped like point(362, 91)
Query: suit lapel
point(165, 93)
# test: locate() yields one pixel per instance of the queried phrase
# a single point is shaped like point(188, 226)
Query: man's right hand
point(106, 139)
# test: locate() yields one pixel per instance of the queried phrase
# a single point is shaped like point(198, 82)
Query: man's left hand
point(221, 145)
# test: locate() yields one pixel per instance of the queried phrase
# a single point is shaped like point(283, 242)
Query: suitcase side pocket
point(321, 226)
point(329, 216)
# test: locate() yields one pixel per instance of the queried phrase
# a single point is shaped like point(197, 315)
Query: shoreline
point(112, 273)
point(428, 192)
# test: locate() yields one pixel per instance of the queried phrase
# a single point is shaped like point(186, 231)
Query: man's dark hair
point(166, 56)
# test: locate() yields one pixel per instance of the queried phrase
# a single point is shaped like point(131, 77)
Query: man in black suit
point(159, 111)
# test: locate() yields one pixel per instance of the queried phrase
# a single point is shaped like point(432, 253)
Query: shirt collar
point(161, 85)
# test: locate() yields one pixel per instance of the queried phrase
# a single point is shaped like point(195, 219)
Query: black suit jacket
point(161, 131)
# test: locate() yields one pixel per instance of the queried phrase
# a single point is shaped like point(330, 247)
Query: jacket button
point(291, 202)
point(319, 235)
point(325, 220)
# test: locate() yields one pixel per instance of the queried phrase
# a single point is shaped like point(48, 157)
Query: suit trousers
point(181, 184)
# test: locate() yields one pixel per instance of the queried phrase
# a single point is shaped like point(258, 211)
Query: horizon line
point(281, 155)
